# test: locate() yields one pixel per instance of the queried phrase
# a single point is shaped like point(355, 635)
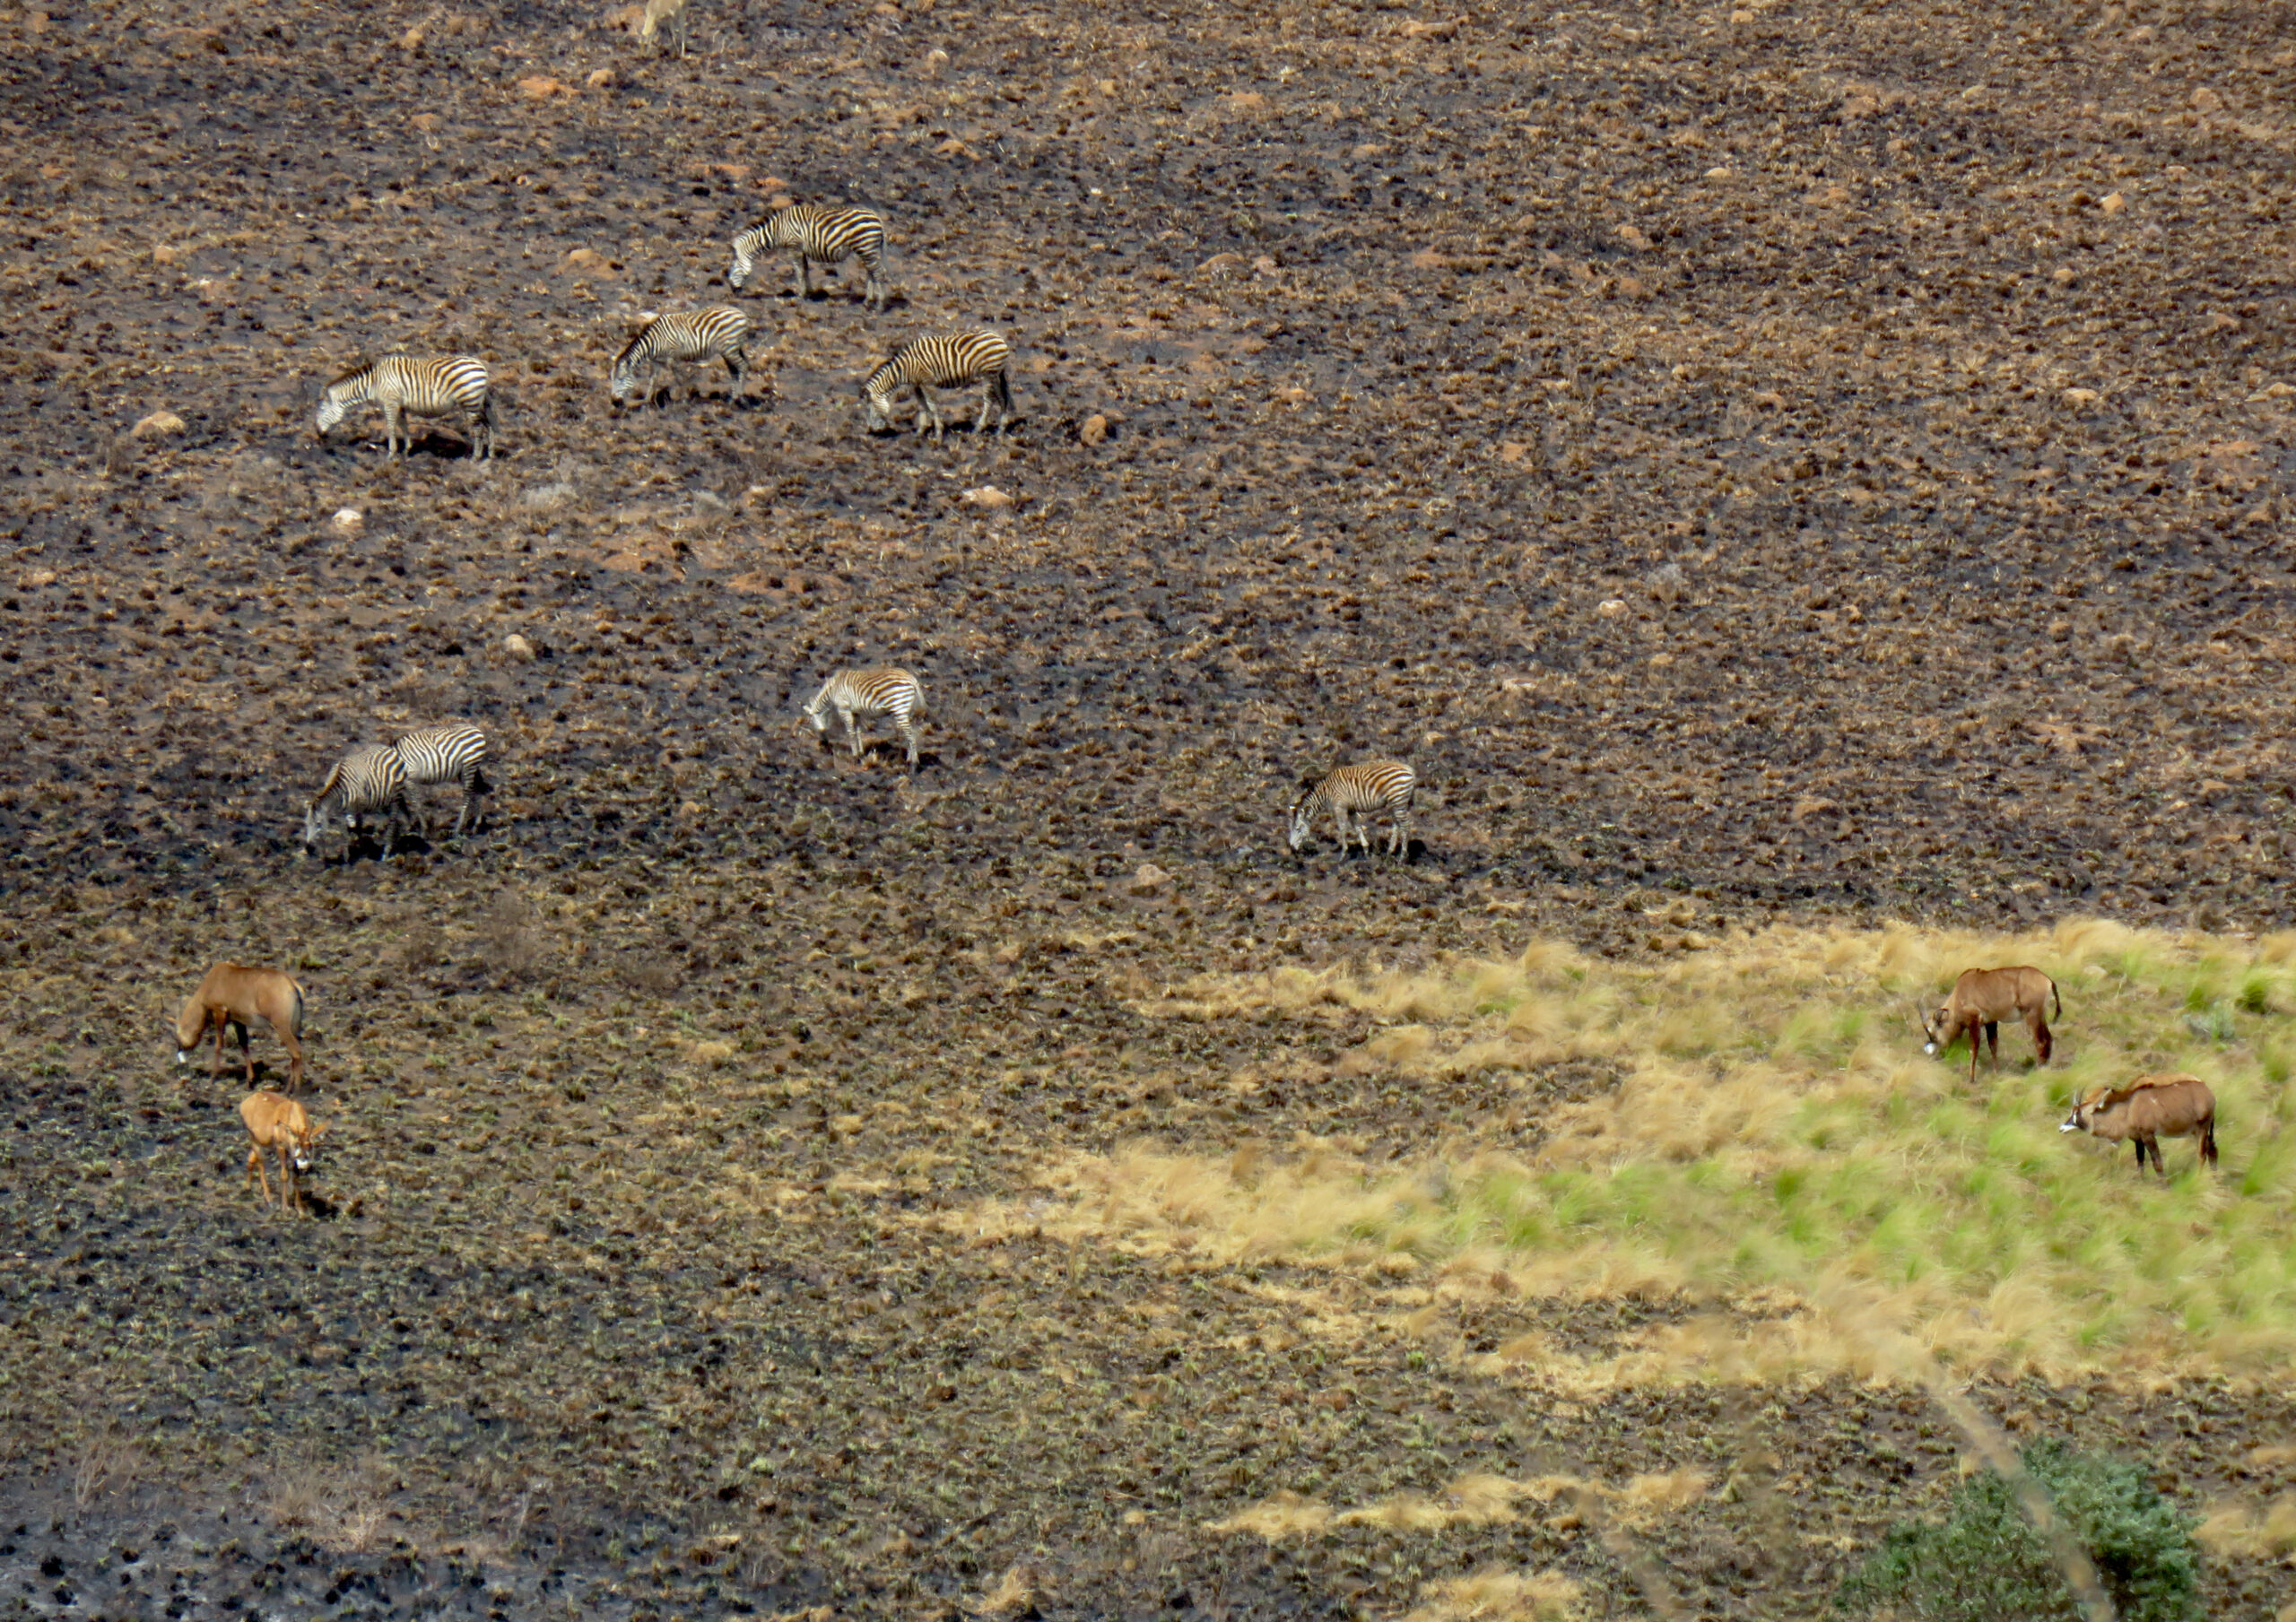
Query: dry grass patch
point(1499, 1595)
point(1780, 1138)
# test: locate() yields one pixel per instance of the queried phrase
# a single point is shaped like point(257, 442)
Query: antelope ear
point(319, 1130)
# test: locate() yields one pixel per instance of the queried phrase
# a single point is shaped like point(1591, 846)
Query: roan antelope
point(278, 1123)
point(1984, 997)
point(2149, 1109)
point(235, 995)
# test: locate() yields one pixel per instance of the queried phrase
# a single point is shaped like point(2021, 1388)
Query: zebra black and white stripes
point(818, 235)
point(452, 753)
point(863, 695)
point(1352, 792)
point(367, 780)
point(944, 361)
point(720, 332)
point(404, 386)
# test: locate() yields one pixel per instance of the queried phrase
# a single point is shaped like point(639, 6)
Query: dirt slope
point(1790, 458)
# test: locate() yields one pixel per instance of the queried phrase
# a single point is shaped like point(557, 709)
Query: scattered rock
point(2114, 204)
point(1095, 429)
point(2081, 399)
point(1633, 237)
point(541, 87)
point(1266, 265)
point(1414, 28)
point(1512, 451)
point(36, 579)
point(157, 424)
point(1667, 582)
point(1221, 265)
point(1611, 608)
point(987, 498)
point(557, 493)
point(1150, 880)
point(1717, 174)
point(600, 78)
point(588, 262)
point(427, 123)
point(517, 647)
point(953, 148)
point(348, 521)
point(711, 505)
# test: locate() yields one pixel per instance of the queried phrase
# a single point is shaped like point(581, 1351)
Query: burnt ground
point(1794, 460)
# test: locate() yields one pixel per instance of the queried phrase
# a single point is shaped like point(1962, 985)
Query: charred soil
point(1794, 460)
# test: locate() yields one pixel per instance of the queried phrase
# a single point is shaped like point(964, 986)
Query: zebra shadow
point(1352, 856)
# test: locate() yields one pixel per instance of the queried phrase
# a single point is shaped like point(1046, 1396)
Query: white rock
point(517, 647)
point(157, 424)
point(348, 520)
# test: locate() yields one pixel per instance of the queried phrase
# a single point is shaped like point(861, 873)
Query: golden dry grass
point(1780, 1141)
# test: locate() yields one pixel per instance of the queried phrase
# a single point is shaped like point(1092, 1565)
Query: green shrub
point(1985, 1563)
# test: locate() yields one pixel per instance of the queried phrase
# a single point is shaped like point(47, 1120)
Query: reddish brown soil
point(1794, 459)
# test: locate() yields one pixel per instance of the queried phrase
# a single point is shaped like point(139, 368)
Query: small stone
point(2114, 204)
point(2080, 399)
point(157, 424)
point(601, 78)
point(411, 41)
point(1717, 174)
point(987, 498)
point(1512, 451)
point(517, 647)
point(953, 148)
point(1265, 265)
point(589, 262)
point(1610, 608)
point(711, 505)
point(1150, 879)
point(1221, 265)
point(348, 520)
point(36, 579)
point(1095, 430)
point(541, 87)
point(426, 122)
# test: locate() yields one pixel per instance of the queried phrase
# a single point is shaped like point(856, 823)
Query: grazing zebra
point(453, 753)
point(405, 387)
point(818, 235)
point(368, 779)
point(863, 695)
point(1350, 793)
point(947, 361)
point(720, 332)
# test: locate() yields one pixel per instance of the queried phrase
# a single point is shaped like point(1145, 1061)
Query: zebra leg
point(737, 361)
point(391, 420)
point(908, 735)
point(928, 410)
point(805, 275)
point(852, 732)
point(876, 292)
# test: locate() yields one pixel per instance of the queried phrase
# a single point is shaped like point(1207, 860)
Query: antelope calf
point(233, 994)
point(1984, 997)
point(279, 1124)
point(2149, 1109)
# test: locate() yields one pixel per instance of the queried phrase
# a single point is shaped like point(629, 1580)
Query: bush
point(1985, 1563)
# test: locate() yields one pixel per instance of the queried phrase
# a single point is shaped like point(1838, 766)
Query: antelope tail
point(2059, 997)
point(297, 1008)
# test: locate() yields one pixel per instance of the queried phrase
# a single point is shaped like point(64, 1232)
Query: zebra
point(862, 695)
point(1350, 792)
point(453, 753)
point(945, 361)
point(369, 779)
point(721, 331)
point(403, 385)
point(818, 235)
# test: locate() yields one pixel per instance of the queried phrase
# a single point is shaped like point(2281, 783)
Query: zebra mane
point(636, 338)
point(360, 370)
point(334, 774)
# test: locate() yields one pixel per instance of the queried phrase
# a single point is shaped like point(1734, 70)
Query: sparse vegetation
point(1777, 1127)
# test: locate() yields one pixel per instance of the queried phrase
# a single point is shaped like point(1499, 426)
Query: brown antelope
point(233, 994)
point(1984, 997)
point(2149, 1109)
point(278, 1123)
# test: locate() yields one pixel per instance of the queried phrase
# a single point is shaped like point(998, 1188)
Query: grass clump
point(1985, 1563)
